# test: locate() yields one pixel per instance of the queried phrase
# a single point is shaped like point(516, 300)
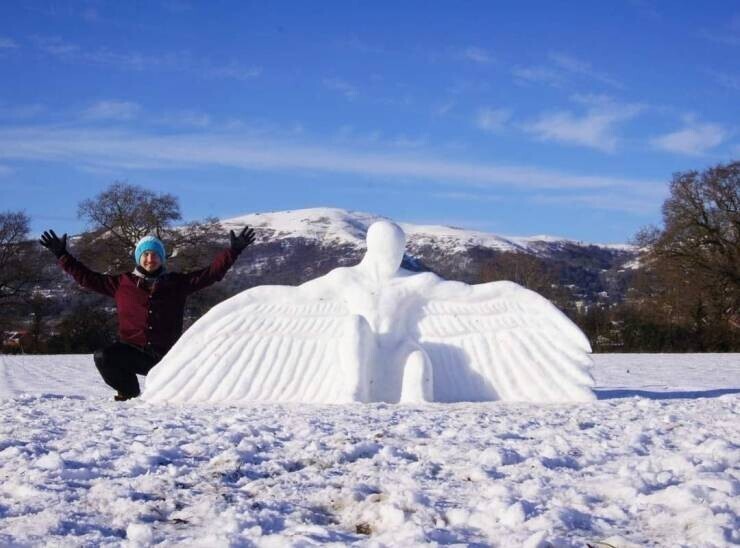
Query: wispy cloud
point(19, 112)
point(8, 43)
point(560, 70)
point(349, 136)
point(357, 44)
point(595, 128)
point(90, 14)
point(727, 80)
point(695, 139)
point(136, 150)
point(647, 9)
point(233, 70)
point(492, 120)
point(538, 75)
point(112, 110)
point(727, 35)
point(610, 201)
point(444, 108)
point(477, 55)
point(580, 67)
point(350, 91)
point(467, 196)
point(181, 61)
point(186, 118)
point(406, 141)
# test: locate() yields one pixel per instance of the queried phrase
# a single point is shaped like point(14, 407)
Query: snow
point(378, 333)
point(342, 226)
point(653, 462)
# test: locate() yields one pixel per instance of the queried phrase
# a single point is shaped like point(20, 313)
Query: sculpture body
point(376, 332)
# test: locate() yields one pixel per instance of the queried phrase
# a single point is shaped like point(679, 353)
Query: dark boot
point(124, 397)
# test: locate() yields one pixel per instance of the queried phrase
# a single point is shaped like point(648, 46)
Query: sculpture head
point(386, 243)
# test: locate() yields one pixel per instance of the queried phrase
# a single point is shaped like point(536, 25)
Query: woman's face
point(150, 261)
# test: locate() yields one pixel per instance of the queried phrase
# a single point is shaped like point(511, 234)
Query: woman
point(150, 303)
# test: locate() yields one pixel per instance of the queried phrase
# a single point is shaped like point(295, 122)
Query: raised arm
point(89, 279)
point(215, 272)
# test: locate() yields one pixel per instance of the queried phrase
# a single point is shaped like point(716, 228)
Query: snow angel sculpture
point(376, 332)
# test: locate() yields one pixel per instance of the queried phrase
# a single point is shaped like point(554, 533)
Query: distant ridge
point(340, 225)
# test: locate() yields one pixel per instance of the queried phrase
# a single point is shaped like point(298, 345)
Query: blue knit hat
point(150, 243)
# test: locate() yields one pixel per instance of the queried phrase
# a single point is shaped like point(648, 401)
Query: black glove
point(52, 242)
point(245, 238)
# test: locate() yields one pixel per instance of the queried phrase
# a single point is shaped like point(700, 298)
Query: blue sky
point(562, 118)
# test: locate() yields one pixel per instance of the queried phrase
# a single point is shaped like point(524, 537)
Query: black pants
point(120, 362)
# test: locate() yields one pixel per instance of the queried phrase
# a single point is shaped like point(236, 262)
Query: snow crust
point(376, 332)
point(654, 462)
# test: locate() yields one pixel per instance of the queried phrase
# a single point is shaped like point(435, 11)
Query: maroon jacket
point(150, 314)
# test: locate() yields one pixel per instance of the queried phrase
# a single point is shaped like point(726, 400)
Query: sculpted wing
point(501, 341)
point(269, 343)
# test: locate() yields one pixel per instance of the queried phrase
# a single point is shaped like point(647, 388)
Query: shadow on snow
point(686, 394)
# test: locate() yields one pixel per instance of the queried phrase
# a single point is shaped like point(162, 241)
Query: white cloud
point(131, 60)
point(8, 43)
point(561, 70)
point(444, 108)
point(55, 46)
point(493, 120)
point(596, 128)
point(91, 15)
point(341, 86)
point(235, 71)
point(135, 150)
point(467, 196)
point(692, 140)
point(729, 81)
point(190, 118)
point(729, 37)
point(405, 141)
point(538, 75)
point(610, 201)
point(112, 110)
point(477, 55)
point(578, 66)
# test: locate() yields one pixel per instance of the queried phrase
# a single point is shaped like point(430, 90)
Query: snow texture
point(378, 333)
point(654, 462)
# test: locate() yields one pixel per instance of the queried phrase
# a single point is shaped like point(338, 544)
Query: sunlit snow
point(653, 462)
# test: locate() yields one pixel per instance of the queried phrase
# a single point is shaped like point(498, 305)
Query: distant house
point(15, 341)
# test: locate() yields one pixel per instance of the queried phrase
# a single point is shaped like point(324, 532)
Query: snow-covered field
point(654, 462)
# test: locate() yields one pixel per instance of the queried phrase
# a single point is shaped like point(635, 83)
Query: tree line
point(684, 295)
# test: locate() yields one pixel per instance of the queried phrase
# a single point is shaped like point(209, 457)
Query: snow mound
point(376, 332)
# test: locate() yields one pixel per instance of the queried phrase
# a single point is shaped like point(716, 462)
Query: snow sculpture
point(376, 332)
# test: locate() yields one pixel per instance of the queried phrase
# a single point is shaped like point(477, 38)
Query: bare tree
point(698, 249)
point(691, 272)
point(528, 271)
point(124, 213)
point(18, 267)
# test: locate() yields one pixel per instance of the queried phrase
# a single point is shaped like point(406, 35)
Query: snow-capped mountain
point(339, 226)
point(293, 246)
